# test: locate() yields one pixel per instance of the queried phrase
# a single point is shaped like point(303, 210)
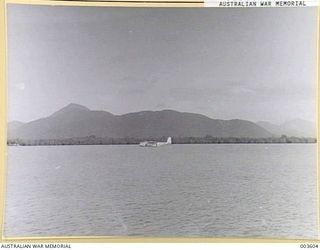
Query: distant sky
point(255, 64)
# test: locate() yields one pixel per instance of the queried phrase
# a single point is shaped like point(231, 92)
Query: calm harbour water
point(229, 190)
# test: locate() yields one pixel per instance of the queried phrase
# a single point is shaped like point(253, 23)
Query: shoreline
point(93, 140)
point(128, 144)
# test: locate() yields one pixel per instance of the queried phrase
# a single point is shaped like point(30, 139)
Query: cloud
point(161, 106)
point(131, 85)
point(20, 85)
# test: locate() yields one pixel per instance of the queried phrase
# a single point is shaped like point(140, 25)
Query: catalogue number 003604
point(309, 246)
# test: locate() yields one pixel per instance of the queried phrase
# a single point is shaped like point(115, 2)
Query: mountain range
point(76, 120)
point(297, 127)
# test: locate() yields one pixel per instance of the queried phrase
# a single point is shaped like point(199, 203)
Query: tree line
point(93, 140)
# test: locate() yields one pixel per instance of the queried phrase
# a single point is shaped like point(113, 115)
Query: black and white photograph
point(161, 122)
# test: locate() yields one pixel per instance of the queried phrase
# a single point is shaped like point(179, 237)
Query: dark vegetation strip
point(92, 140)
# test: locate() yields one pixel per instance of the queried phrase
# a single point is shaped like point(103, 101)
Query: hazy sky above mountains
point(255, 64)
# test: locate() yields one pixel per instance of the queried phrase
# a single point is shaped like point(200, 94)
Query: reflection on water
point(265, 190)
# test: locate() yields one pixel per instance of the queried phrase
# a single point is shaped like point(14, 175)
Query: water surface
point(217, 190)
